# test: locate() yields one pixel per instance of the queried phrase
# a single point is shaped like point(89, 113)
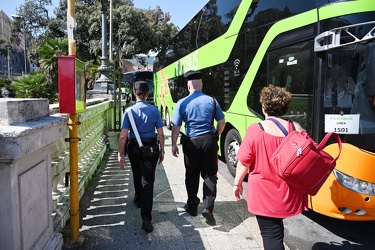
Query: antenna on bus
point(199, 25)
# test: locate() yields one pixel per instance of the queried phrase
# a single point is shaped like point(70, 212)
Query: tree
point(35, 18)
point(6, 83)
point(135, 31)
point(48, 53)
point(36, 23)
point(34, 85)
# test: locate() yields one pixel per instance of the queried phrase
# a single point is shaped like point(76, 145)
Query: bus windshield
point(129, 78)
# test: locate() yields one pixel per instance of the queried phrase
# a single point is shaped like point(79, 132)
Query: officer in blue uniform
point(147, 119)
point(198, 111)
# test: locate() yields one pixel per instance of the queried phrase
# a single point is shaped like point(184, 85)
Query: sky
point(181, 11)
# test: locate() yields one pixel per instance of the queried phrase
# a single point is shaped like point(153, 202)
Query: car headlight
point(354, 184)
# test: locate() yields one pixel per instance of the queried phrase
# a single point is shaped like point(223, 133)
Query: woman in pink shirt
point(268, 196)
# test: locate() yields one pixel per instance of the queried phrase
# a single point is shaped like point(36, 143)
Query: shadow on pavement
point(110, 220)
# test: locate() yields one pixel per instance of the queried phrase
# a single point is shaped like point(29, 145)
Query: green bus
point(323, 51)
point(129, 78)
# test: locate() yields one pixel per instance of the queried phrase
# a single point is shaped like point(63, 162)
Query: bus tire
point(168, 120)
point(232, 144)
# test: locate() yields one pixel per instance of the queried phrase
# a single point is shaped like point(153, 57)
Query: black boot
point(210, 219)
point(192, 207)
point(147, 225)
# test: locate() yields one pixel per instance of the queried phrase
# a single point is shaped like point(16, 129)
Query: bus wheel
point(168, 120)
point(232, 144)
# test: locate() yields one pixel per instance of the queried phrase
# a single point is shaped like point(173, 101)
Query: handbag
point(147, 151)
point(300, 162)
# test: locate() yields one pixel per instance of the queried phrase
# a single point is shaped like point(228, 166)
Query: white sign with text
point(342, 124)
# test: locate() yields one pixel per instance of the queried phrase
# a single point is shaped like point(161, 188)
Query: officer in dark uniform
point(147, 119)
point(198, 111)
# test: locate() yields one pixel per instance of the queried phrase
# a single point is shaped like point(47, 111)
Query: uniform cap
point(193, 75)
point(141, 85)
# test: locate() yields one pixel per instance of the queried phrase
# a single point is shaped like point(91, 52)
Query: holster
point(182, 139)
point(150, 151)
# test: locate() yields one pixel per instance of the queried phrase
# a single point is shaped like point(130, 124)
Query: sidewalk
point(110, 220)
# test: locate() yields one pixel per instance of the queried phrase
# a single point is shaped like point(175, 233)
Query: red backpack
point(300, 162)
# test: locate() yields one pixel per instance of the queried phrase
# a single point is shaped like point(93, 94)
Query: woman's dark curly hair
point(275, 100)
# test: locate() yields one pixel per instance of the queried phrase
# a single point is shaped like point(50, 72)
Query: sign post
point(72, 99)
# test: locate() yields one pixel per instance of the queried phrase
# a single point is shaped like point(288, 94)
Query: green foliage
point(135, 31)
point(35, 20)
point(91, 71)
point(34, 85)
point(5, 82)
point(48, 52)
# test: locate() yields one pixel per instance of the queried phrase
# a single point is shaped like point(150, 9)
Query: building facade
point(12, 57)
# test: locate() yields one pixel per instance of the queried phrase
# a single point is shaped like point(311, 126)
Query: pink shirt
point(267, 194)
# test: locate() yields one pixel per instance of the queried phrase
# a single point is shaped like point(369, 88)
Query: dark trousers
point(272, 231)
point(200, 156)
point(143, 176)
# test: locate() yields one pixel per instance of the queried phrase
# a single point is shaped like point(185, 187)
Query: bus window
point(289, 67)
point(178, 88)
point(339, 89)
point(349, 91)
point(370, 73)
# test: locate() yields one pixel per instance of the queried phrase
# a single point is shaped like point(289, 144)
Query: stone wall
point(34, 162)
point(27, 133)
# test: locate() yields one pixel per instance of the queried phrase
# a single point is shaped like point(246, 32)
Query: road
point(314, 231)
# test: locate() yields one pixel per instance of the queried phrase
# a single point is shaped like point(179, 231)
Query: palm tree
point(92, 74)
point(34, 85)
point(7, 84)
point(48, 53)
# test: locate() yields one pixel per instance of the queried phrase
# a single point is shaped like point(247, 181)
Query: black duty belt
point(144, 140)
point(201, 137)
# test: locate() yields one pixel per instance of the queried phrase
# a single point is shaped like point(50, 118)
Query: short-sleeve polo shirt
point(146, 118)
point(197, 111)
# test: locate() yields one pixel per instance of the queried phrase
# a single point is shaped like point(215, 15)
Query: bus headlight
point(354, 184)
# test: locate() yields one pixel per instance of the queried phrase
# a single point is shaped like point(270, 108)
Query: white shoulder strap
point(130, 113)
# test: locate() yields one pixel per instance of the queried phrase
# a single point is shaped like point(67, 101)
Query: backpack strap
point(261, 126)
point(278, 124)
point(285, 132)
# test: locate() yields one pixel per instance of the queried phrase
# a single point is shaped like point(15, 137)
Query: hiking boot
point(192, 207)
point(147, 225)
point(210, 219)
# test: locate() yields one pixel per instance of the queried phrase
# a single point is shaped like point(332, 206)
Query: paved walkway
point(110, 220)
